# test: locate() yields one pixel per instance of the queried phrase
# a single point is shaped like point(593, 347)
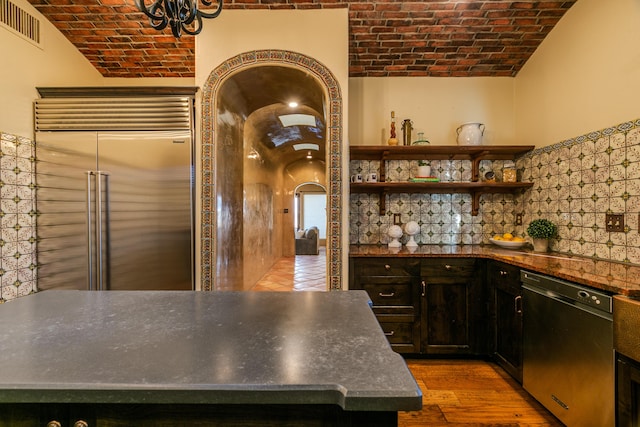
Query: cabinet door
point(504, 279)
point(454, 306)
point(628, 391)
point(46, 415)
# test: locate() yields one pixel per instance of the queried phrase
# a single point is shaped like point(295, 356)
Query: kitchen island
point(218, 358)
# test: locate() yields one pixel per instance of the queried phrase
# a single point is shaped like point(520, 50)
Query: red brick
point(505, 32)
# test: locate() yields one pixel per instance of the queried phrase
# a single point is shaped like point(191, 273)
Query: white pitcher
point(470, 133)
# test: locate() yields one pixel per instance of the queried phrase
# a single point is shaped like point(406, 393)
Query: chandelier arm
point(156, 13)
point(212, 14)
point(197, 28)
point(178, 14)
point(188, 11)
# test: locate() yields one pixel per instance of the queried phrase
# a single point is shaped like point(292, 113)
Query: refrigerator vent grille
point(69, 114)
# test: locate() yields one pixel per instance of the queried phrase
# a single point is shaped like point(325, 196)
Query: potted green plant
point(541, 230)
point(424, 168)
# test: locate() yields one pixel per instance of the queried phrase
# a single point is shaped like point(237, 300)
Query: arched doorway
point(211, 139)
point(310, 210)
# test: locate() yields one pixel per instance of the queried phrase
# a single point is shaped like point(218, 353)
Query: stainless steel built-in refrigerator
point(115, 210)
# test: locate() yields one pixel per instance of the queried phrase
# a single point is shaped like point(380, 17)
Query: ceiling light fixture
point(253, 154)
point(293, 104)
point(181, 15)
point(308, 154)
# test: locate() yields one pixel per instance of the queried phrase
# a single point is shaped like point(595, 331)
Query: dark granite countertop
point(201, 347)
point(617, 278)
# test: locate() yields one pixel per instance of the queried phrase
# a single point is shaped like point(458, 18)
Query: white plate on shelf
point(508, 244)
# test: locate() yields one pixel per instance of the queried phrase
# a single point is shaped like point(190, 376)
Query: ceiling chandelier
point(180, 15)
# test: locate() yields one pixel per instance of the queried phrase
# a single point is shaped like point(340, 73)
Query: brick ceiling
point(457, 38)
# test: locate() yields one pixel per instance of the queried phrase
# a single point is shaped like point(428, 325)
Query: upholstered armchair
point(308, 243)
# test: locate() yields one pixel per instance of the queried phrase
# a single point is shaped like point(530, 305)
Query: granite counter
point(617, 278)
point(239, 348)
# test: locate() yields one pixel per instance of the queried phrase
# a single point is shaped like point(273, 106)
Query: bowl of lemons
point(508, 240)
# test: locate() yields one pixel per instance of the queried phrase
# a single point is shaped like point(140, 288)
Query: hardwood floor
point(471, 393)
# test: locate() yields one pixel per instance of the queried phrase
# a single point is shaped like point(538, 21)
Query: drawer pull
point(387, 267)
point(424, 288)
point(518, 304)
point(390, 334)
point(447, 267)
point(389, 295)
point(504, 273)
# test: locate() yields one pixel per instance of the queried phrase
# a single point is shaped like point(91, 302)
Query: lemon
point(507, 236)
point(518, 239)
point(497, 237)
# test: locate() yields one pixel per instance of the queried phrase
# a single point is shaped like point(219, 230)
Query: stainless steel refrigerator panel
point(144, 183)
point(148, 216)
point(63, 160)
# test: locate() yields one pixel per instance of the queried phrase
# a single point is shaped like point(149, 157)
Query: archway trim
point(334, 155)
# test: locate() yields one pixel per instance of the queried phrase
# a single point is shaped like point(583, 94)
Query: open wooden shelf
point(474, 153)
point(476, 189)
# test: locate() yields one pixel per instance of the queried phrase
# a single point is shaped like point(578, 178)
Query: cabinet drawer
point(448, 270)
point(390, 291)
point(386, 267)
point(398, 332)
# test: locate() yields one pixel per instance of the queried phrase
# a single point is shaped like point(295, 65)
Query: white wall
point(25, 67)
point(320, 34)
point(584, 77)
point(435, 105)
point(58, 63)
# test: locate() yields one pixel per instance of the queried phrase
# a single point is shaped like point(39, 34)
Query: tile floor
point(297, 273)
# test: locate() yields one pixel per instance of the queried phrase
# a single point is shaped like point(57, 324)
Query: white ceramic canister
point(470, 133)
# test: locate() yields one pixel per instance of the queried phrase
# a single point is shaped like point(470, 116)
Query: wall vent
point(20, 22)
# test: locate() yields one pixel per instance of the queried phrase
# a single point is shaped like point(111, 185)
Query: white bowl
point(508, 244)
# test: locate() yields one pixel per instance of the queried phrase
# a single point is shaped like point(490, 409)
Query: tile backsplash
point(576, 182)
point(18, 271)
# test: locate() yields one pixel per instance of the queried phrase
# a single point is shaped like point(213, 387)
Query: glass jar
point(509, 172)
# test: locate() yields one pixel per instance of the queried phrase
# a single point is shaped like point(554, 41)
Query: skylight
point(298, 147)
point(297, 120)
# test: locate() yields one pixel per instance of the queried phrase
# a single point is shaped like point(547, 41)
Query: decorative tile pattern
point(576, 182)
point(444, 219)
point(18, 271)
point(335, 173)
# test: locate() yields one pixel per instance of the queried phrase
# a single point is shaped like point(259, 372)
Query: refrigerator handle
point(101, 209)
point(90, 284)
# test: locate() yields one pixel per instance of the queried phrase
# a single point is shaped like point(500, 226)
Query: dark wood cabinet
point(394, 288)
point(163, 415)
point(503, 280)
point(628, 391)
point(426, 305)
point(454, 306)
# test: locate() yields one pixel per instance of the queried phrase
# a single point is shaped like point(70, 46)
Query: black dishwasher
point(568, 358)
